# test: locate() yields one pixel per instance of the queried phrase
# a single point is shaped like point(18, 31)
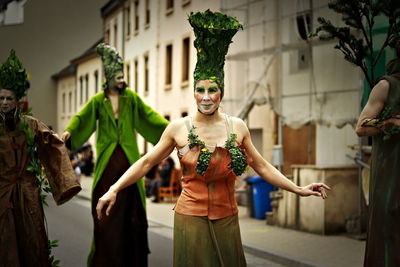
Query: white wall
point(326, 92)
point(65, 86)
point(88, 67)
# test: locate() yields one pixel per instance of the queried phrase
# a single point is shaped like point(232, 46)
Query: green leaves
point(214, 32)
point(13, 76)
point(356, 39)
point(53, 244)
point(238, 159)
point(203, 161)
point(112, 62)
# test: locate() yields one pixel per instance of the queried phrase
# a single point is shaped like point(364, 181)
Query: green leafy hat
point(112, 62)
point(13, 76)
point(214, 32)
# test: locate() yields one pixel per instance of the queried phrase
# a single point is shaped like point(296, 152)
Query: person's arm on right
point(139, 169)
point(372, 109)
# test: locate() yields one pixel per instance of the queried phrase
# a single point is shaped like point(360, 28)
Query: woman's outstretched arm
point(271, 174)
point(139, 169)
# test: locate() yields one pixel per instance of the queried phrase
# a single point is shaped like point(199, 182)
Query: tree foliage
point(356, 40)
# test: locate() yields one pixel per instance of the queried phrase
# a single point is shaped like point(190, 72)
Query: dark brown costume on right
point(383, 242)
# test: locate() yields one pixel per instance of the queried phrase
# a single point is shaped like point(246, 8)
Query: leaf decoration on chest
point(238, 158)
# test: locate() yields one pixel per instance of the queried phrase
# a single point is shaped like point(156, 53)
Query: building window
point(115, 35)
point(86, 88)
point(128, 21)
point(81, 90)
point(303, 22)
point(146, 74)
point(185, 2)
point(168, 65)
point(170, 5)
point(136, 75)
point(63, 103)
point(184, 114)
point(147, 12)
point(75, 100)
point(96, 82)
point(136, 3)
point(185, 59)
point(107, 36)
point(69, 102)
point(128, 73)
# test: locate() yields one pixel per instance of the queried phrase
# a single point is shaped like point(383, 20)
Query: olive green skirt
point(200, 242)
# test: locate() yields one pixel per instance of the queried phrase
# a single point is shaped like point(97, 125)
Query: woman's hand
point(106, 201)
point(314, 189)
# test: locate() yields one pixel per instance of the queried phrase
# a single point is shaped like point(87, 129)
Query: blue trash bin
point(261, 200)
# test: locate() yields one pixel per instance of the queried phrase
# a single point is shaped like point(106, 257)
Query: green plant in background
point(356, 39)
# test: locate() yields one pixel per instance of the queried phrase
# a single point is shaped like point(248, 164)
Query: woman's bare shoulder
point(239, 124)
point(178, 131)
point(177, 123)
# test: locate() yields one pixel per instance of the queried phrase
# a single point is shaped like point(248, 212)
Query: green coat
point(134, 116)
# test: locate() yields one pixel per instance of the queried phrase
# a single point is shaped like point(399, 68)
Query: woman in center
point(213, 148)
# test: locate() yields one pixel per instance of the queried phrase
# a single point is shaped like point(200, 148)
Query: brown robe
point(23, 238)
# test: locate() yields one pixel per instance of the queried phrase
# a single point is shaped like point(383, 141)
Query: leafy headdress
point(214, 32)
point(112, 62)
point(13, 76)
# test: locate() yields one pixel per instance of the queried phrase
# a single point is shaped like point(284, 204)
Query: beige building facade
point(287, 89)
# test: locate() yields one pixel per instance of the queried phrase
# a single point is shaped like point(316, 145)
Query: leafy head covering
point(112, 62)
point(214, 32)
point(13, 76)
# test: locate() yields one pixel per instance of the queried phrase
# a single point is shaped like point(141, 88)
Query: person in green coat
point(380, 118)
point(118, 114)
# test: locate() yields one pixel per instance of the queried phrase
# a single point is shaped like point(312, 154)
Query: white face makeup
point(7, 100)
point(208, 96)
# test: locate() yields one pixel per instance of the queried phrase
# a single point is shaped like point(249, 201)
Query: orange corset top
point(210, 194)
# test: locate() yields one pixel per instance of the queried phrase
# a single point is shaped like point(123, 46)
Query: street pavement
point(267, 245)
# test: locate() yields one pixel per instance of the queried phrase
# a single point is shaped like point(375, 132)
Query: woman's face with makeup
point(208, 96)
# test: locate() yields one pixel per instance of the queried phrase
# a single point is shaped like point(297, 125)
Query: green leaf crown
point(13, 76)
point(214, 32)
point(112, 61)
